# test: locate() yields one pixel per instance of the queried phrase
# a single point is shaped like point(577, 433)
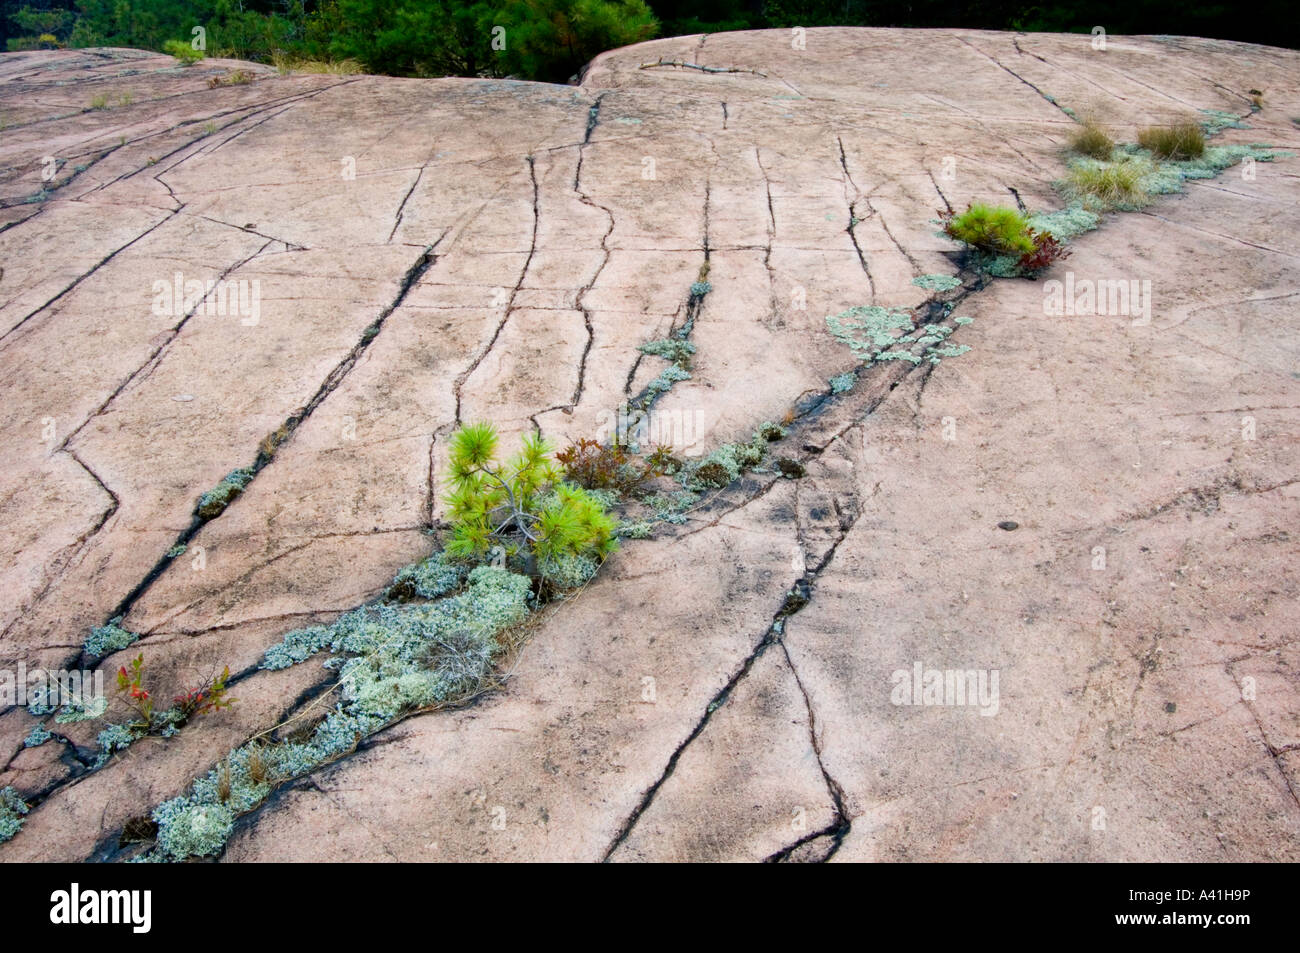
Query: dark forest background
point(552, 39)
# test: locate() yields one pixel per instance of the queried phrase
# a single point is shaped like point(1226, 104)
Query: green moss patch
point(213, 502)
point(726, 463)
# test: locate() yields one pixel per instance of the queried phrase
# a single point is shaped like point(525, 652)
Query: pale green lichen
point(82, 709)
point(1169, 176)
point(899, 356)
point(607, 499)
point(667, 378)
point(411, 656)
point(42, 700)
point(1218, 120)
point(725, 464)
point(1065, 223)
point(243, 791)
point(298, 646)
point(107, 639)
point(843, 382)
point(670, 349)
point(112, 739)
point(429, 579)
point(395, 679)
point(876, 334)
point(671, 507)
point(700, 288)
point(641, 529)
point(37, 737)
point(999, 266)
point(937, 282)
point(213, 502)
point(12, 810)
point(391, 659)
point(867, 329)
point(568, 570)
point(192, 829)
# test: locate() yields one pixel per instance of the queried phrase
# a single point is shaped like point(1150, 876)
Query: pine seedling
point(521, 505)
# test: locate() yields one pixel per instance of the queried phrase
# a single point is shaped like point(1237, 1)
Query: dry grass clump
point(1180, 141)
point(290, 64)
point(1092, 141)
point(258, 772)
point(239, 77)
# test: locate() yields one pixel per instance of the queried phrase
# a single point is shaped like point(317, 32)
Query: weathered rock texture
point(436, 251)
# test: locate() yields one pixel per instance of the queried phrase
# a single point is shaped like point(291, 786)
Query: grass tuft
point(1092, 141)
point(292, 64)
point(1105, 186)
point(1180, 141)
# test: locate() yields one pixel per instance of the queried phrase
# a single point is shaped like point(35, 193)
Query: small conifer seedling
point(522, 505)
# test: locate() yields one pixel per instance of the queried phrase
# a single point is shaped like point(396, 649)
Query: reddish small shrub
point(1047, 251)
point(594, 466)
point(209, 697)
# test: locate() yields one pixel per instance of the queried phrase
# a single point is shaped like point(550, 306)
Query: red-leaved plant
point(1047, 252)
point(211, 696)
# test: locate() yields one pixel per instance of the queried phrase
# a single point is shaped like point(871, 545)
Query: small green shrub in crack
point(1004, 241)
point(521, 505)
point(992, 228)
point(184, 53)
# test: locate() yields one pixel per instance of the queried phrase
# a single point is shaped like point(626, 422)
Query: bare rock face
point(400, 256)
